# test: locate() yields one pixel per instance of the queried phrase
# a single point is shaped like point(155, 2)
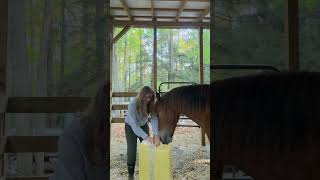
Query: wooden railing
point(123, 107)
point(46, 144)
point(34, 144)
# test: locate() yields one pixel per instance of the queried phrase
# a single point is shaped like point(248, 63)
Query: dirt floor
point(190, 160)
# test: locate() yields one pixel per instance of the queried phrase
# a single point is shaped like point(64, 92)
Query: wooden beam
point(162, 24)
point(224, 18)
point(293, 31)
point(117, 120)
point(159, 9)
point(204, 13)
point(121, 33)
point(201, 77)
point(124, 94)
point(47, 104)
point(183, 4)
point(126, 8)
point(162, 17)
point(154, 59)
point(24, 144)
point(109, 58)
point(119, 107)
point(3, 73)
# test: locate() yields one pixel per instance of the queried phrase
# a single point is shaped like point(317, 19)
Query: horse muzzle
point(165, 137)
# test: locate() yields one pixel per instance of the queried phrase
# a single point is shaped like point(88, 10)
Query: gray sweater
point(72, 162)
point(135, 120)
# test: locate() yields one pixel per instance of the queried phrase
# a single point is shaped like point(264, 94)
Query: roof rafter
point(204, 13)
point(183, 4)
point(127, 9)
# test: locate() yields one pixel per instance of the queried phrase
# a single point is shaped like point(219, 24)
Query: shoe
point(130, 171)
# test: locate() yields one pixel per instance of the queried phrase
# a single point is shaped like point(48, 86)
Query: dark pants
point(132, 143)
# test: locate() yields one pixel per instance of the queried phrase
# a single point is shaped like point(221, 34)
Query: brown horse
point(192, 101)
point(268, 125)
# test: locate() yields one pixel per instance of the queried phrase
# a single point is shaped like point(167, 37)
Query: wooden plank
point(47, 104)
point(119, 107)
point(27, 177)
point(162, 24)
point(182, 5)
point(3, 74)
point(124, 94)
point(293, 28)
point(123, 32)
point(154, 59)
point(24, 144)
point(126, 8)
point(117, 120)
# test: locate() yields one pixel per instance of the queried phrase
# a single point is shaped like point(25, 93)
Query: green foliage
point(184, 62)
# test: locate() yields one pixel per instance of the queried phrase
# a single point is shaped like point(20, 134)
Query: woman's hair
point(97, 126)
point(143, 108)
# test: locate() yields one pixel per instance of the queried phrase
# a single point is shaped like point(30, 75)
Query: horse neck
point(192, 115)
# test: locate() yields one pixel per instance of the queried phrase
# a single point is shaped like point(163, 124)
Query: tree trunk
point(140, 59)
point(124, 64)
point(170, 58)
point(115, 70)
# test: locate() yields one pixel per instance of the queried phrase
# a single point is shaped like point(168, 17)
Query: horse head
point(167, 119)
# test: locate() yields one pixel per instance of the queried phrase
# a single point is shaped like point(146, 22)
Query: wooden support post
point(293, 34)
point(109, 52)
point(154, 56)
point(201, 79)
point(3, 72)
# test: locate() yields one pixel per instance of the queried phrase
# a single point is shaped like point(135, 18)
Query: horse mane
point(192, 98)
